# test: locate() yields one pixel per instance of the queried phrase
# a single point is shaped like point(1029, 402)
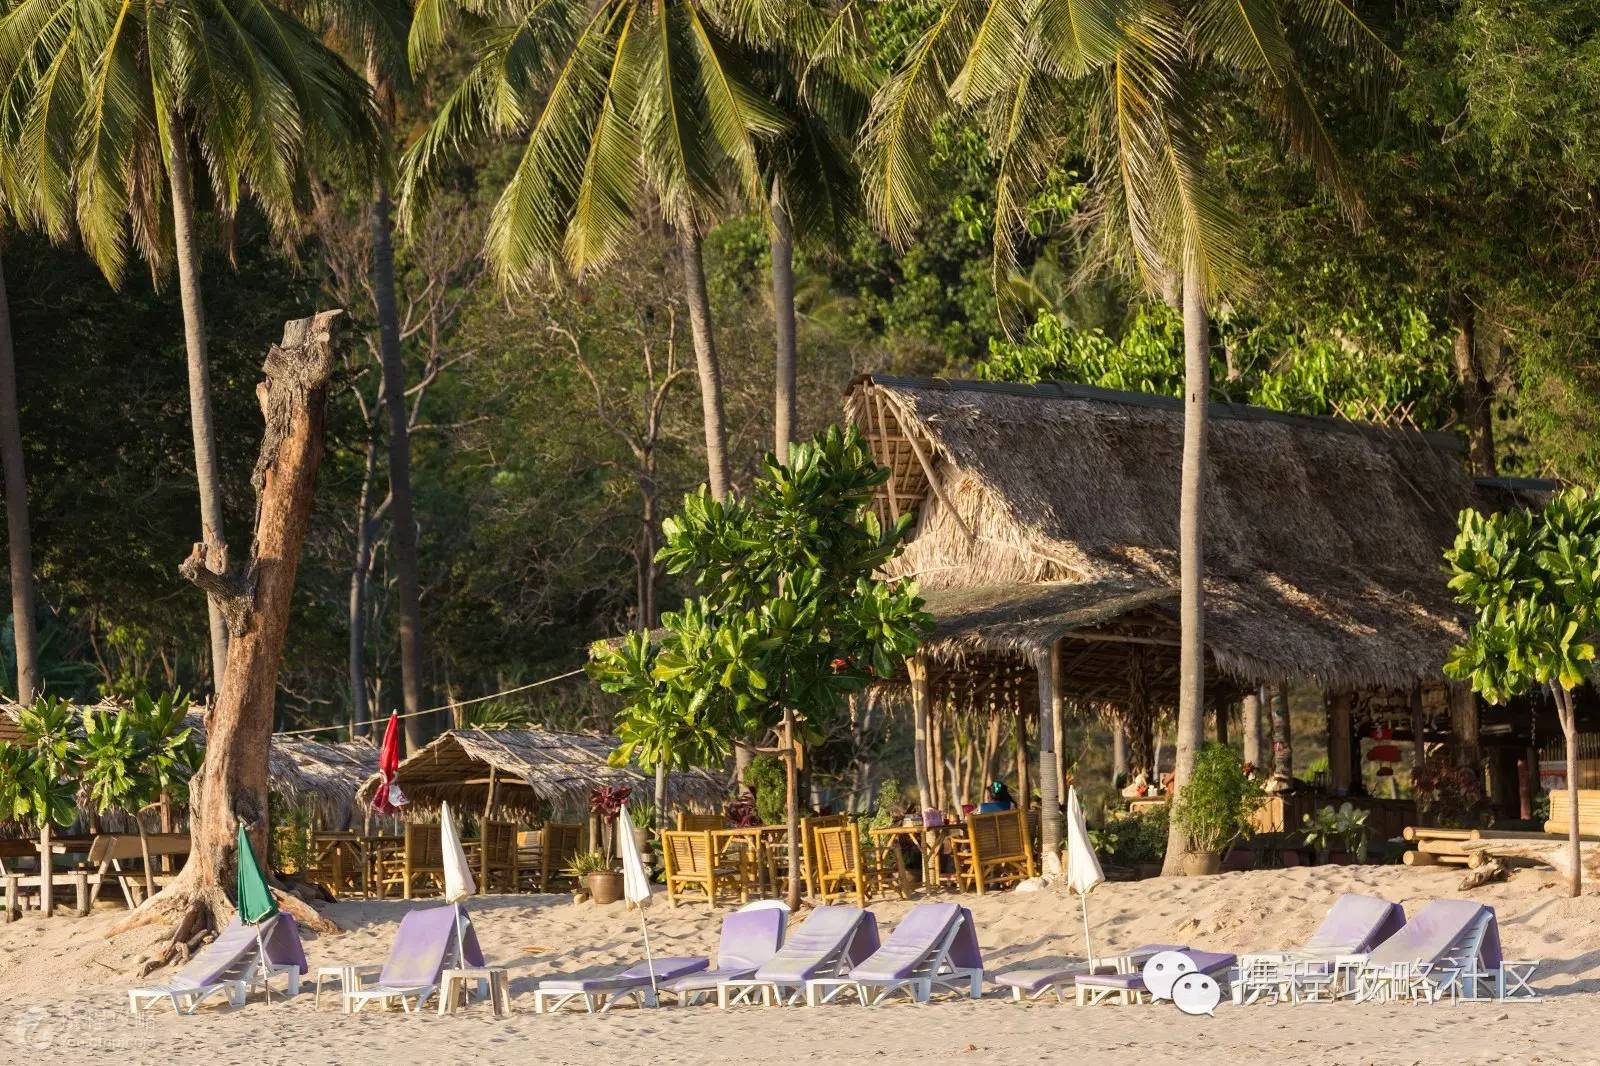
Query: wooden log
point(1423, 832)
point(1476, 859)
point(1419, 858)
point(1443, 847)
point(1551, 853)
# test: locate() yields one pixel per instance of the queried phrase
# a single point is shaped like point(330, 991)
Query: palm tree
point(1022, 68)
point(122, 109)
point(19, 536)
point(626, 106)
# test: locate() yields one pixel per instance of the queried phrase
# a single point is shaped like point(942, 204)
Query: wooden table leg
point(81, 891)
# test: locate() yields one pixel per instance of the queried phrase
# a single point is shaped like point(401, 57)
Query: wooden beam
point(1122, 638)
point(917, 669)
point(883, 430)
point(933, 480)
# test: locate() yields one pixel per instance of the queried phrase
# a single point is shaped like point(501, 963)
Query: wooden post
point(1464, 725)
point(1222, 722)
point(936, 778)
point(1418, 729)
point(1119, 754)
point(1048, 669)
point(1250, 719)
point(917, 670)
point(1019, 725)
point(1058, 722)
point(47, 870)
point(1282, 742)
point(483, 835)
point(1339, 742)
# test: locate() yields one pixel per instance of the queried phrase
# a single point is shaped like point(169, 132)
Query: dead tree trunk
point(231, 786)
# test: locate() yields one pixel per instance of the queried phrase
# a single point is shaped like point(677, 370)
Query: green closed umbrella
point(256, 904)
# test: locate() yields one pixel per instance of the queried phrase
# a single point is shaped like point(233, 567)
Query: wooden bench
point(110, 851)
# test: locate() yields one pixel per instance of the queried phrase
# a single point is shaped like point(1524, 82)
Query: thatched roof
point(531, 767)
point(1324, 538)
point(310, 775)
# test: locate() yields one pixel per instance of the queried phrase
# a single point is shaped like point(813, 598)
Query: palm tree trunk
point(791, 807)
point(783, 420)
point(403, 545)
point(360, 707)
point(705, 357)
point(1282, 742)
point(1477, 407)
point(1191, 563)
point(19, 534)
point(207, 476)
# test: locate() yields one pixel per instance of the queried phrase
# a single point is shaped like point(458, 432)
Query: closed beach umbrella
point(1083, 865)
point(253, 895)
point(635, 881)
point(389, 799)
point(458, 882)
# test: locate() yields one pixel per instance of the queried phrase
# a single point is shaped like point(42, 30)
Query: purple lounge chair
point(750, 938)
point(1035, 982)
point(1449, 947)
point(936, 943)
point(1129, 988)
point(599, 994)
point(424, 947)
point(1355, 924)
point(828, 944)
point(240, 956)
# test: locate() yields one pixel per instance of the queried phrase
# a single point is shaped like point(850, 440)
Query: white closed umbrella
point(635, 883)
point(458, 882)
point(1083, 865)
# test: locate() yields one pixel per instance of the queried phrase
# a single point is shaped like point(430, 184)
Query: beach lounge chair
point(599, 994)
point(1451, 947)
point(424, 947)
point(750, 938)
point(233, 963)
point(1353, 926)
point(1129, 988)
point(1035, 982)
point(828, 944)
point(936, 944)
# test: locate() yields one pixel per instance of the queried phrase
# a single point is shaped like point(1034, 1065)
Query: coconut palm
point(19, 532)
point(625, 107)
point(122, 109)
point(1027, 69)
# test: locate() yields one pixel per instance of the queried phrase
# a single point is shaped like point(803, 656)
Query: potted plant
point(594, 873)
point(1333, 831)
point(1214, 808)
point(643, 818)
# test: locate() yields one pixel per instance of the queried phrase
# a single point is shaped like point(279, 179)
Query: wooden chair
point(498, 859)
point(543, 855)
point(841, 860)
point(416, 863)
point(694, 870)
point(700, 823)
point(996, 850)
point(808, 851)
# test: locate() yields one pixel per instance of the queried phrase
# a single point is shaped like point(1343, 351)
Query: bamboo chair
point(808, 851)
point(842, 861)
point(996, 850)
point(695, 871)
point(699, 823)
point(418, 863)
point(543, 856)
point(499, 861)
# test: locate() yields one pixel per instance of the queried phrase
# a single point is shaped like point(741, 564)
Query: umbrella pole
point(266, 965)
point(1088, 949)
point(649, 962)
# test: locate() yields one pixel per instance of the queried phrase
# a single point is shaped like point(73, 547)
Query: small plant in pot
point(1214, 808)
point(1331, 830)
point(596, 876)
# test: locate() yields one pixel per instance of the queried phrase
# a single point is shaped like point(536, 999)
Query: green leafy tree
point(790, 618)
point(662, 725)
point(1531, 581)
point(134, 757)
point(1125, 84)
point(127, 108)
point(38, 773)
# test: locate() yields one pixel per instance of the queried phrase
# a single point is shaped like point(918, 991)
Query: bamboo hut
point(527, 772)
point(1046, 545)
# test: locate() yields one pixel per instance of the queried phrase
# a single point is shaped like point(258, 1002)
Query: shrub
point(1214, 808)
point(890, 800)
point(1134, 839)
point(766, 778)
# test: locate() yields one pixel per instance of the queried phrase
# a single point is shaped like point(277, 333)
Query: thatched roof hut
point(319, 777)
point(1047, 526)
point(527, 769)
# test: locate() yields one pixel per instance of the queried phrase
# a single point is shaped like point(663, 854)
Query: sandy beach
point(62, 982)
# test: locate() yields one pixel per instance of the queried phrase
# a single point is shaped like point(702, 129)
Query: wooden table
point(928, 840)
point(760, 839)
point(351, 852)
point(454, 986)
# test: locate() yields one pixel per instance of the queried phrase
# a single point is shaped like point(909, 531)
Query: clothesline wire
point(441, 707)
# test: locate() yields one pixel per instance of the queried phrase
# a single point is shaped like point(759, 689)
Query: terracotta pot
point(1202, 863)
point(605, 887)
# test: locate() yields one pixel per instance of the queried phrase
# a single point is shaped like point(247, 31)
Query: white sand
point(61, 988)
